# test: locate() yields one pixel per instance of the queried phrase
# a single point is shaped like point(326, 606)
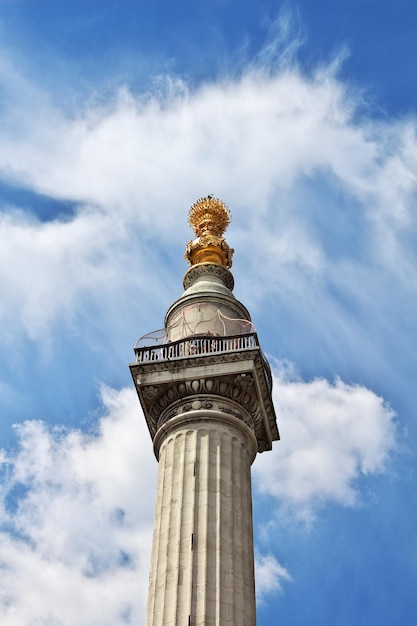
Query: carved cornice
point(234, 395)
point(236, 377)
point(206, 403)
point(208, 269)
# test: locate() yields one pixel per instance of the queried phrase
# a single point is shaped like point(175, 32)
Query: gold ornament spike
point(209, 217)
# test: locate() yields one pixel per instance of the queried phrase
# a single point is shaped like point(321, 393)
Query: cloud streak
point(272, 143)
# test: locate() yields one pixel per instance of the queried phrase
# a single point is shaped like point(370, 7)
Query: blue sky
point(115, 117)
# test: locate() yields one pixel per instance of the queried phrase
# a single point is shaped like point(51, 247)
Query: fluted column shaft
point(202, 570)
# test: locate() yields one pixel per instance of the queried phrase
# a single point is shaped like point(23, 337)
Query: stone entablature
point(238, 383)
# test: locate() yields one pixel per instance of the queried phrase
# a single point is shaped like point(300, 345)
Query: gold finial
point(209, 217)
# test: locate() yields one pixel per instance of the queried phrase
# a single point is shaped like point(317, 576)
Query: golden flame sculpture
point(209, 217)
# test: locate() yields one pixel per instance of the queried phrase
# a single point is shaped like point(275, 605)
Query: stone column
point(202, 569)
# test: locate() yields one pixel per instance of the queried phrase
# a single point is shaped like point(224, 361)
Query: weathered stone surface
point(202, 559)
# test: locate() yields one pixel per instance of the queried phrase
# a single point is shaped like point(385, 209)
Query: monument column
point(205, 388)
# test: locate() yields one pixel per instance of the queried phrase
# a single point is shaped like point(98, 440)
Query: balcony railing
point(196, 346)
point(203, 345)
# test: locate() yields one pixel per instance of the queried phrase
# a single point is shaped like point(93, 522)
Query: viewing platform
point(195, 345)
point(198, 346)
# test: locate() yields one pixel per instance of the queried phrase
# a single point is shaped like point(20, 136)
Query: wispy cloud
point(283, 150)
point(270, 575)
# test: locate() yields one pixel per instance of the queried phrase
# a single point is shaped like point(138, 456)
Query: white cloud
point(77, 509)
point(269, 575)
point(77, 521)
point(332, 435)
